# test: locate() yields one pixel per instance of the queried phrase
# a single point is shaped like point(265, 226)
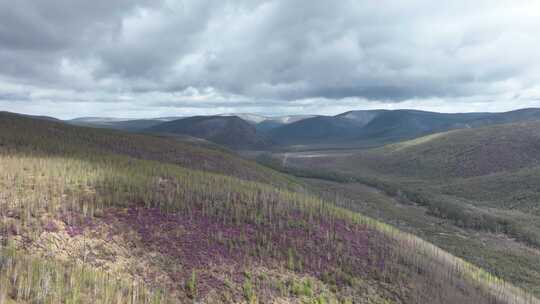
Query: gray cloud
point(267, 56)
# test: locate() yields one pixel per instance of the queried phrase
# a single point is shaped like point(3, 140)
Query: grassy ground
point(90, 218)
point(495, 252)
point(472, 192)
point(53, 138)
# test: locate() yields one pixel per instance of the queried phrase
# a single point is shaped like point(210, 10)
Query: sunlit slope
point(461, 153)
point(172, 234)
point(482, 180)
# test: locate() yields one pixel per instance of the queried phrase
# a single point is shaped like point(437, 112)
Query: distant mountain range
point(350, 129)
point(48, 118)
point(467, 182)
point(237, 131)
point(230, 131)
point(183, 223)
point(133, 125)
point(376, 127)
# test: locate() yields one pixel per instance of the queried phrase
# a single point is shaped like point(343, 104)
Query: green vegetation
point(28, 279)
point(229, 131)
point(472, 192)
point(374, 128)
point(194, 234)
point(191, 285)
point(249, 293)
point(47, 138)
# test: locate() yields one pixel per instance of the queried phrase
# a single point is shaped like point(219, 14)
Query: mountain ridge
point(360, 129)
point(230, 131)
point(104, 216)
point(377, 127)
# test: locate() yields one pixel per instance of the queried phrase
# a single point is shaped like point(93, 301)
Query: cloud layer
point(146, 58)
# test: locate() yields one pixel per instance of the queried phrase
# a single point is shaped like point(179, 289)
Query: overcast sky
point(123, 58)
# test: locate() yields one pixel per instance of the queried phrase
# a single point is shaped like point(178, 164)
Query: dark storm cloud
point(248, 53)
point(36, 36)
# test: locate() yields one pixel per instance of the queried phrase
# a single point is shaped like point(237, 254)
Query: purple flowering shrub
point(195, 241)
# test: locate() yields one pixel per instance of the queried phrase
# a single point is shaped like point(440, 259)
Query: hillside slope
point(378, 127)
point(230, 131)
point(484, 178)
point(462, 153)
point(83, 225)
point(353, 129)
point(478, 189)
point(58, 138)
point(391, 126)
point(133, 125)
point(270, 123)
point(314, 130)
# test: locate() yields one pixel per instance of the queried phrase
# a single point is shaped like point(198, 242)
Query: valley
point(472, 192)
point(269, 152)
point(94, 214)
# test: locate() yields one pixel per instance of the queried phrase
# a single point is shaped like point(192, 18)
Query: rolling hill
point(270, 123)
point(230, 131)
point(132, 125)
point(314, 130)
point(471, 191)
point(48, 118)
point(100, 216)
point(262, 123)
point(494, 167)
point(461, 153)
point(377, 127)
point(353, 129)
point(52, 136)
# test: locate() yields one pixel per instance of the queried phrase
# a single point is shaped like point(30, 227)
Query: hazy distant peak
point(257, 118)
point(98, 119)
point(362, 117)
point(290, 119)
point(252, 118)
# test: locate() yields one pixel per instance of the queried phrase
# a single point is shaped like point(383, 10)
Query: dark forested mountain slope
point(230, 131)
point(377, 127)
point(350, 129)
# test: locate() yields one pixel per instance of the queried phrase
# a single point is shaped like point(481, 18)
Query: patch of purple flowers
point(51, 227)
point(196, 241)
